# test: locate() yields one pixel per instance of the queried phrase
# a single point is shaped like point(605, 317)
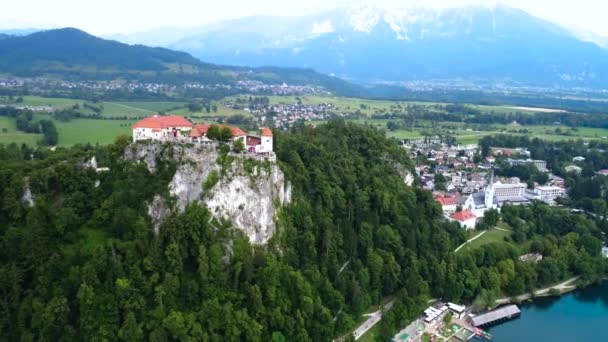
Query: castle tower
point(266, 141)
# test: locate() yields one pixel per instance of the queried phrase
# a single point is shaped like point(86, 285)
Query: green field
point(12, 135)
point(82, 131)
point(133, 109)
point(491, 236)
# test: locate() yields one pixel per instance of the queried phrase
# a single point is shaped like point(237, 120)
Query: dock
point(496, 316)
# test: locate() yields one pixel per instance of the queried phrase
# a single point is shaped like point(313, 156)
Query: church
point(495, 195)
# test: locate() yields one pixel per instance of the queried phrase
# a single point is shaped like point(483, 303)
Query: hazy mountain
point(370, 43)
point(18, 32)
point(75, 54)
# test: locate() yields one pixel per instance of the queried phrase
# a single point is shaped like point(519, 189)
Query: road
point(469, 240)
point(373, 319)
point(561, 287)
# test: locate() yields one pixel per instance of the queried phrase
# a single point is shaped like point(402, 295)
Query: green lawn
point(133, 109)
point(13, 135)
point(492, 235)
point(82, 131)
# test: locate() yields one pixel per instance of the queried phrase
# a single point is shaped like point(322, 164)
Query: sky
point(106, 17)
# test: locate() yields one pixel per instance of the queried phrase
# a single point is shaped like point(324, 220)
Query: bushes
point(211, 180)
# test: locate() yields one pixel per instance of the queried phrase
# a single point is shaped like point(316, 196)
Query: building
point(573, 169)
point(578, 159)
point(457, 310)
point(465, 218)
point(495, 316)
point(159, 127)
point(432, 315)
point(541, 165)
point(448, 204)
point(508, 192)
point(531, 257)
point(603, 172)
point(199, 133)
point(549, 193)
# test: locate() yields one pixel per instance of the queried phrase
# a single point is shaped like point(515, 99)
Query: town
point(282, 115)
point(466, 185)
point(41, 85)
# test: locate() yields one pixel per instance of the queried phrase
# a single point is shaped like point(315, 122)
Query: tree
point(214, 132)
point(49, 131)
point(238, 146)
point(225, 133)
point(447, 319)
point(130, 330)
point(491, 218)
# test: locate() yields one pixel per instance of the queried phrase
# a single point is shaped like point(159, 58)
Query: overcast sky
point(102, 17)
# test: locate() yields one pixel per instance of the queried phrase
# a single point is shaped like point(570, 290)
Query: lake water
point(578, 316)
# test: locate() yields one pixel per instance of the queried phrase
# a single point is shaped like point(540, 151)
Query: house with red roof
point(253, 143)
point(465, 218)
point(160, 127)
point(448, 203)
point(199, 133)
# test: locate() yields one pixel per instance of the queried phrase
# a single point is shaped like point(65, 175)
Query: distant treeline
point(467, 114)
point(24, 120)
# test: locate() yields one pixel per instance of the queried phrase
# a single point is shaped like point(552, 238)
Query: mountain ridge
point(370, 44)
point(70, 53)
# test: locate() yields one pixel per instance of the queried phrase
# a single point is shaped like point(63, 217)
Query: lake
point(579, 316)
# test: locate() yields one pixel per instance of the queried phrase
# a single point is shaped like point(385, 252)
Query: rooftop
point(495, 315)
point(162, 122)
point(462, 216)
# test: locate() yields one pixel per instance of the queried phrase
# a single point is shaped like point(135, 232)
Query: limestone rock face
point(248, 191)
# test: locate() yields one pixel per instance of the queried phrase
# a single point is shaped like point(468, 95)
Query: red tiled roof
point(266, 132)
point(162, 122)
point(253, 141)
point(201, 129)
point(445, 200)
point(462, 216)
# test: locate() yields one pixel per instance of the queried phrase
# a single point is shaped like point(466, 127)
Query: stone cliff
point(241, 188)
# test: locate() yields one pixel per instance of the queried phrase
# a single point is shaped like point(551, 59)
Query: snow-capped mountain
point(400, 44)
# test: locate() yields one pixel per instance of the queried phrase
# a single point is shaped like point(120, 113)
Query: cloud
point(321, 27)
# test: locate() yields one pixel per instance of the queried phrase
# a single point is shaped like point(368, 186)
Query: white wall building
point(161, 128)
point(465, 218)
point(549, 193)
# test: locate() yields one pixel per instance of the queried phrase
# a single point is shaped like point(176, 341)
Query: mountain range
point(73, 54)
point(475, 43)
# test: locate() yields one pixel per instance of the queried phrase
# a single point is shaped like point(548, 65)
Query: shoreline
point(563, 288)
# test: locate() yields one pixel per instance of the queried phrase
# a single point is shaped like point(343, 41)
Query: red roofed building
point(448, 204)
point(199, 132)
point(253, 143)
point(160, 127)
point(466, 219)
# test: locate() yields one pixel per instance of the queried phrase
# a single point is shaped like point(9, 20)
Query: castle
point(178, 128)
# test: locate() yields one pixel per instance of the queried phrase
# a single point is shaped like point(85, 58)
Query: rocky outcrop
point(157, 210)
point(248, 191)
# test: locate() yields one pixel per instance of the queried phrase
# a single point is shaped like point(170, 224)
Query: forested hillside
point(75, 55)
point(79, 259)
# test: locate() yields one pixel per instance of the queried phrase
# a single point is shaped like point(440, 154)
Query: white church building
point(495, 195)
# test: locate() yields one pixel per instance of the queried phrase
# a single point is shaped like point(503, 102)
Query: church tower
point(489, 193)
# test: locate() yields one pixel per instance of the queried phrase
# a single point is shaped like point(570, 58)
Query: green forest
point(80, 261)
